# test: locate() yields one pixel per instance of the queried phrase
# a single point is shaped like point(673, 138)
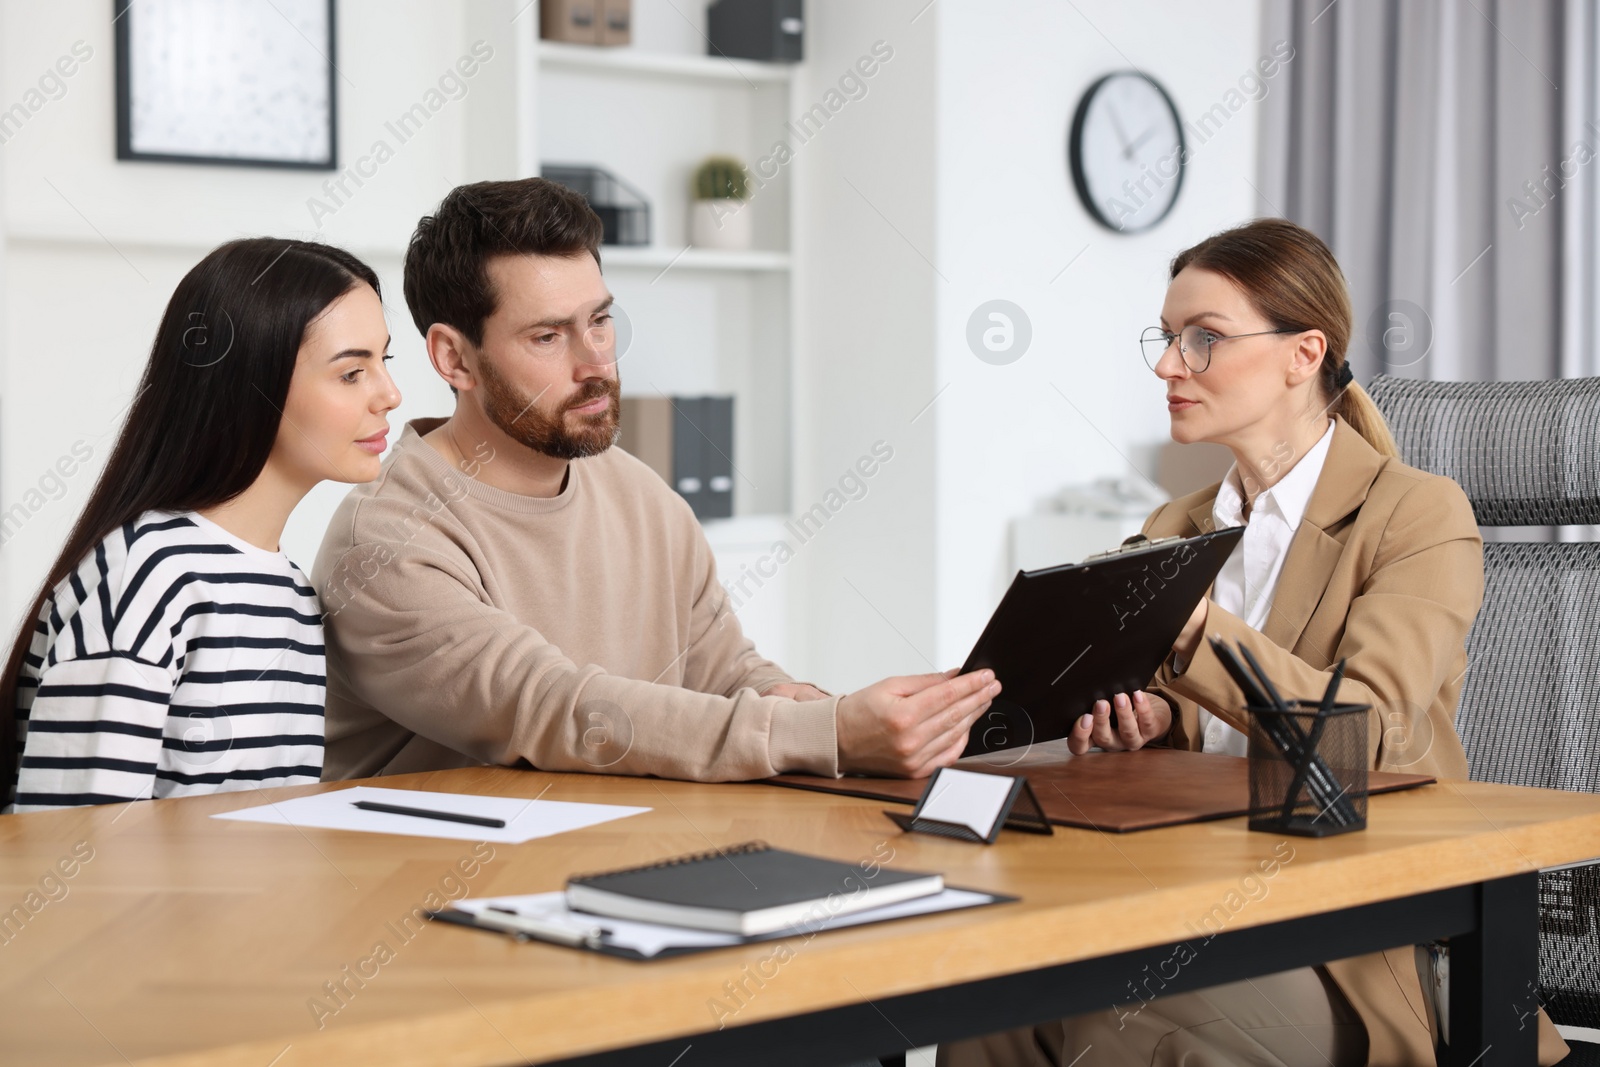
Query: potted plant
point(720, 215)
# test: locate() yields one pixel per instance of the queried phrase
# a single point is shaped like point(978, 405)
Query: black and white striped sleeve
point(94, 731)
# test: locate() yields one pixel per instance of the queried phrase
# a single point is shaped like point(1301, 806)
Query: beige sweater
point(581, 632)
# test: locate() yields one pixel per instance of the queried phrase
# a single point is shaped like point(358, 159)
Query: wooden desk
point(187, 940)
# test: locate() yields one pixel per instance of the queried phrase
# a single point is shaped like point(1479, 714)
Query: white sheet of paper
point(966, 798)
point(649, 939)
point(525, 819)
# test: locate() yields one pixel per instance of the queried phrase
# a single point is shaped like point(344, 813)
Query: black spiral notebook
point(747, 889)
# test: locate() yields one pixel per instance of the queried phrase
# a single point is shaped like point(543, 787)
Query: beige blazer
point(1385, 571)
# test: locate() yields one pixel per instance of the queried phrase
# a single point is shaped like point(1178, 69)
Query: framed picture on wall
point(238, 82)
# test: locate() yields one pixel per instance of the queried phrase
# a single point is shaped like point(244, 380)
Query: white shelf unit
point(645, 63)
point(704, 321)
point(661, 259)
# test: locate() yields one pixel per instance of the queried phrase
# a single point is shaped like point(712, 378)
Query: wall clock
point(1127, 151)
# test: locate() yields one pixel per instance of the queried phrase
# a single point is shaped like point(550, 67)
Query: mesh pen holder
point(1308, 772)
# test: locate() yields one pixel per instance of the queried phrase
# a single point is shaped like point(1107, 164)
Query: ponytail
point(1357, 409)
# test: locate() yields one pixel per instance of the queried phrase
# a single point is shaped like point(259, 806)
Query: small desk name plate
point(971, 806)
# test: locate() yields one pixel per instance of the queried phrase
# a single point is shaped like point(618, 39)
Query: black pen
point(1297, 750)
point(1323, 709)
point(523, 928)
point(1230, 662)
point(424, 813)
point(1266, 683)
point(1316, 767)
point(514, 922)
point(1331, 695)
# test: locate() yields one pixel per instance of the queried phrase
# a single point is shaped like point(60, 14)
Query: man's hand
point(909, 727)
point(797, 691)
point(1148, 720)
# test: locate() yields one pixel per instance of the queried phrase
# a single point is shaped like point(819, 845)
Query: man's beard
point(523, 419)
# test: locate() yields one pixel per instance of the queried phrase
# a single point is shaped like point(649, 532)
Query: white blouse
point(1248, 580)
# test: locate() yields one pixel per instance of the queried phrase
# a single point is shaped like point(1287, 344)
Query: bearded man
point(515, 591)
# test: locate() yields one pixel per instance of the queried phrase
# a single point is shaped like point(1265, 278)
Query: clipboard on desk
point(1066, 636)
point(545, 917)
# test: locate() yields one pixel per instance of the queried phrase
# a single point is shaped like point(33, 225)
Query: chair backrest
point(1527, 454)
point(1530, 704)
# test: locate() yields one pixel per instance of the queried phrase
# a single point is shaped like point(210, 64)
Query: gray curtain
point(1447, 151)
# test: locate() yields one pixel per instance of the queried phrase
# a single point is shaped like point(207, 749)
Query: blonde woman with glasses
point(1347, 554)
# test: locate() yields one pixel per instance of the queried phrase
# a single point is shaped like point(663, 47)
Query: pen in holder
point(1308, 760)
point(1308, 768)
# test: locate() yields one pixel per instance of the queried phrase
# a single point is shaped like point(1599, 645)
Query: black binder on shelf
point(688, 449)
point(716, 457)
point(771, 30)
point(702, 454)
point(1064, 637)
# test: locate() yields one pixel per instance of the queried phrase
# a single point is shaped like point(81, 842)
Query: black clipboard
point(1066, 636)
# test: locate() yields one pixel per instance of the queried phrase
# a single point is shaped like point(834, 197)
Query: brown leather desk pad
point(1112, 791)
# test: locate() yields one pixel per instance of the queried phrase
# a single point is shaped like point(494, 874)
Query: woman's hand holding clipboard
point(1141, 719)
point(1068, 640)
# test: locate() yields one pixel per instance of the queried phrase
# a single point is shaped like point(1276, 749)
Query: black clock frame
point(1075, 152)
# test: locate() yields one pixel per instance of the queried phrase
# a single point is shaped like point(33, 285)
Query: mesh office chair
point(1528, 454)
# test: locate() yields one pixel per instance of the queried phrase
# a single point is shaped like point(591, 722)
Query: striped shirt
point(177, 659)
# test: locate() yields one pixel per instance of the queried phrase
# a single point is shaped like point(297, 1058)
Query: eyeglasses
point(1194, 344)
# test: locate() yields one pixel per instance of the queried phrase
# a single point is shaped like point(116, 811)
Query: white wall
point(94, 247)
point(962, 194)
point(944, 186)
point(865, 187)
point(1008, 221)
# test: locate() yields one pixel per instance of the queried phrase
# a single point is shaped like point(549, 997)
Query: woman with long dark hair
point(173, 649)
